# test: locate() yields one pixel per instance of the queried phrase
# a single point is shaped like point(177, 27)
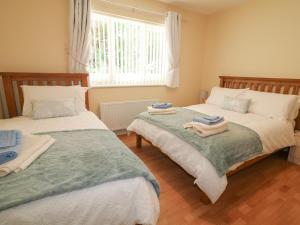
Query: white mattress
point(274, 134)
point(130, 201)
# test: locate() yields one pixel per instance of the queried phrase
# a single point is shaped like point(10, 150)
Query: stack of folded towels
point(161, 109)
point(206, 126)
point(17, 152)
point(10, 145)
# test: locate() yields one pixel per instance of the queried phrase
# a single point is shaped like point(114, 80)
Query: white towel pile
point(32, 147)
point(204, 130)
point(155, 111)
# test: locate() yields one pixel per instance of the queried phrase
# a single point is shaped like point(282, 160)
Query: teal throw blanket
point(78, 159)
point(223, 150)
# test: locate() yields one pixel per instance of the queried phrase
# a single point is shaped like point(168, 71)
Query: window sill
point(127, 86)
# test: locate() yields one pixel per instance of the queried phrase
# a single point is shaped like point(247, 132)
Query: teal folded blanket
point(78, 159)
point(223, 150)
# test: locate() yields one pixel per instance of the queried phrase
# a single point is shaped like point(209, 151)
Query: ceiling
point(204, 6)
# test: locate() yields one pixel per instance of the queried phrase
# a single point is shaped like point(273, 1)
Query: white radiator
point(119, 115)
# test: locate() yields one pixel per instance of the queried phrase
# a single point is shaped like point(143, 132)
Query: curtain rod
point(134, 9)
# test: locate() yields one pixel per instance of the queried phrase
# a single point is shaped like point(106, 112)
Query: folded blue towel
point(8, 138)
point(211, 118)
point(164, 105)
point(208, 120)
point(10, 153)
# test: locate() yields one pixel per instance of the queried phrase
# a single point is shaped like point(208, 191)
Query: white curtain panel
point(173, 36)
point(80, 13)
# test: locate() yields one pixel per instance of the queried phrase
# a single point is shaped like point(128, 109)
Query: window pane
point(126, 52)
point(99, 58)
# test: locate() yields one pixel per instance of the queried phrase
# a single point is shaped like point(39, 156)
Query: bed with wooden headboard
point(12, 96)
point(273, 85)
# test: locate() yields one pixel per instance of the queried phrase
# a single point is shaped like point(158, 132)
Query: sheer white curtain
point(173, 36)
point(80, 12)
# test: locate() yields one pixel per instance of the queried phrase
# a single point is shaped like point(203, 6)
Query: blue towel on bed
point(8, 138)
point(164, 105)
point(208, 120)
point(12, 140)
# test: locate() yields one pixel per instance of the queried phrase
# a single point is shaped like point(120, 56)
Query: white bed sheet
point(130, 201)
point(274, 134)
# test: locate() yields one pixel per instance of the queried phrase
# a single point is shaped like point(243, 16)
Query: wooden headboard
point(274, 85)
point(12, 86)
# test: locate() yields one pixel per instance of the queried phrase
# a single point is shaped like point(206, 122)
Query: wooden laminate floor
point(267, 193)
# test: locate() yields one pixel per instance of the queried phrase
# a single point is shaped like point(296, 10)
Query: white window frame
point(140, 77)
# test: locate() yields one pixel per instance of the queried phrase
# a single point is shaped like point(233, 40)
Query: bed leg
point(138, 141)
point(204, 199)
point(287, 152)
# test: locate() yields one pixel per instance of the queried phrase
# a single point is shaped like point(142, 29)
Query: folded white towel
point(203, 126)
point(162, 113)
point(32, 147)
point(202, 131)
point(154, 111)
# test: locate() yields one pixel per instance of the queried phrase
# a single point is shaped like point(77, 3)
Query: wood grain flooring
point(267, 193)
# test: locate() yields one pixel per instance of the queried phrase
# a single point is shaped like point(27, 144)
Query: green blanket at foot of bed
point(223, 150)
point(78, 159)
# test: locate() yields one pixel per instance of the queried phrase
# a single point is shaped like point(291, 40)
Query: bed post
point(138, 141)
point(9, 94)
point(204, 198)
point(221, 81)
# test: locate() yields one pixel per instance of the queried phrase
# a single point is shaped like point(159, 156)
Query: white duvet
point(274, 134)
point(123, 202)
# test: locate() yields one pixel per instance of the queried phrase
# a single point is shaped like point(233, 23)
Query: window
point(126, 52)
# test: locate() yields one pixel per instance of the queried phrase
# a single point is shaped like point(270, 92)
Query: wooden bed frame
point(274, 85)
point(13, 92)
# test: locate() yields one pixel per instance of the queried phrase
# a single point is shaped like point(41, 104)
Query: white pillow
point(43, 109)
point(235, 104)
point(271, 105)
point(218, 94)
point(32, 93)
point(295, 111)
